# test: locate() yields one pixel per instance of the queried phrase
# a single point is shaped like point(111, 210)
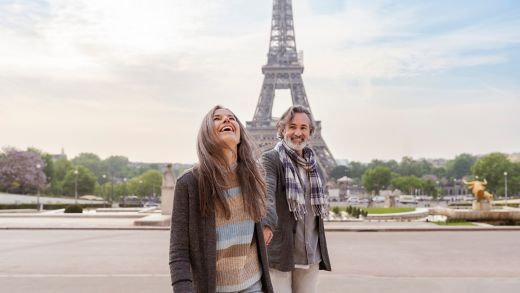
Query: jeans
point(255, 288)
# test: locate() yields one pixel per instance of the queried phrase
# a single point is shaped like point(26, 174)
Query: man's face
point(297, 131)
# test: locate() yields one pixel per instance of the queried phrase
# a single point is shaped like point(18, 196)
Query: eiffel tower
point(284, 70)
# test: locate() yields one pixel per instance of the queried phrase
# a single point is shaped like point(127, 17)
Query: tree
point(147, 184)
point(392, 164)
point(439, 172)
point(61, 167)
point(339, 171)
point(85, 179)
point(513, 185)
point(492, 167)
point(460, 166)
point(48, 169)
point(48, 162)
point(376, 179)
point(430, 188)
point(409, 166)
point(407, 184)
point(117, 166)
point(19, 172)
point(356, 169)
point(92, 162)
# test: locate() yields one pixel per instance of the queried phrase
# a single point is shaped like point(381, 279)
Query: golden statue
point(478, 188)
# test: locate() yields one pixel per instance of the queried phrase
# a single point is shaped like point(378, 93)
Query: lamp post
point(38, 166)
point(124, 191)
point(76, 187)
point(505, 185)
point(104, 181)
point(111, 186)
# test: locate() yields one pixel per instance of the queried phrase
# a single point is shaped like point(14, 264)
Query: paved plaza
point(137, 261)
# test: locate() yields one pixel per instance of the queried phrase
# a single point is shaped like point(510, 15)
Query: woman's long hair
point(213, 166)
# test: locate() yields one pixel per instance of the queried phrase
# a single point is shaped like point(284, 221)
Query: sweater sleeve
point(271, 218)
point(180, 266)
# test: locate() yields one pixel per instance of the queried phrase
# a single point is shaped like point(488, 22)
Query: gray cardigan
point(281, 221)
point(193, 245)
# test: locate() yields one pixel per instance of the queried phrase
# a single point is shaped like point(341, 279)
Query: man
point(294, 232)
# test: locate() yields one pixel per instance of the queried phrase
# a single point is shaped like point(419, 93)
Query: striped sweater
point(237, 261)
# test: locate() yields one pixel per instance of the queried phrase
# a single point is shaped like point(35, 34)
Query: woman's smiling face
point(226, 127)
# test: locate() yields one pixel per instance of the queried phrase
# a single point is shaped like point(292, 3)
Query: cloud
point(136, 78)
point(374, 44)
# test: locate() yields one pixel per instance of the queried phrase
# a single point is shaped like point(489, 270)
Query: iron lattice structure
point(284, 70)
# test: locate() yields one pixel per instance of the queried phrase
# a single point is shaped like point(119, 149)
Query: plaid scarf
point(294, 189)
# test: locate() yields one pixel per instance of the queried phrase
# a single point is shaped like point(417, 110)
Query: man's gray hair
point(289, 115)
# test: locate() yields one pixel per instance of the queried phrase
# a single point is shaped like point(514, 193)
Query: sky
point(387, 79)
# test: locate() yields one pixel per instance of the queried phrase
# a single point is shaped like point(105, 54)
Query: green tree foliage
point(439, 172)
point(61, 167)
point(112, 192)
point(92, 162)
point(117, 166)
point(376, 179)
point(430, 188)
point(339, 171)
point(392, 164)
point(409, 167)
point(460, 166)
point(492, 167)
point(356, 169)
point(86, 181)
point(146, 184)
point(513, 181)
point(407, 184)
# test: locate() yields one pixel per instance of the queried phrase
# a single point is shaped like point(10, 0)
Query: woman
point(216, 240)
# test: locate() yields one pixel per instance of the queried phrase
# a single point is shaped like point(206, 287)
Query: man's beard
point(296, 146)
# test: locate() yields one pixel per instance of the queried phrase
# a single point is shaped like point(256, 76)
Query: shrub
point(355, 212)
point(49, 206)
point(74, 209)
point(336, 210)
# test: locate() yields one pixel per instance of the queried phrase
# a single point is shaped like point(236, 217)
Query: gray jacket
point(193, 246)
point(281, 221)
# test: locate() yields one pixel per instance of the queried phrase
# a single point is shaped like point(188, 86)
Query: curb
point(89, 228)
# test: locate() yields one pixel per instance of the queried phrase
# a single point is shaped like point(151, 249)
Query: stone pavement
point(129, 261)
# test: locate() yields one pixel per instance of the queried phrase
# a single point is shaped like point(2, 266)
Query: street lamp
point(505, 184)
point(38, 166)
point(111, 186)
point(124, 191)
point(76, 187)
point(438, 189)
point(104, 181)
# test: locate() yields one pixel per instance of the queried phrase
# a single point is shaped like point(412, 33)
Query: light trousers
point(296, 281)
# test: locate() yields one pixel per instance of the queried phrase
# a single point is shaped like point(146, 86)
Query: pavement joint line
point(346, 276)
point(83, 275)
point(368, 276)
point(335, 229)
point(87, 228)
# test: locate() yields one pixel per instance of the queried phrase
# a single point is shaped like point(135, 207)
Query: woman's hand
point(268, 235)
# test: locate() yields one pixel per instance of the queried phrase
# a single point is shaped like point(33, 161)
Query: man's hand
point(268, 235)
